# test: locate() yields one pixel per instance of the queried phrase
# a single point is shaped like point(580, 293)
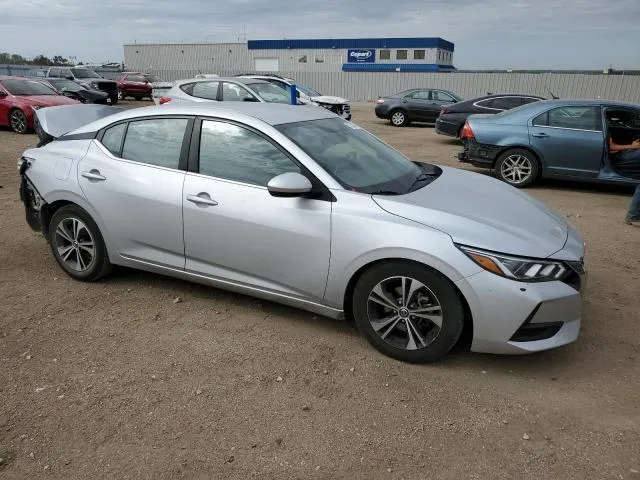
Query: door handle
point(94, 175)
point(201, 199)
point(539, 135)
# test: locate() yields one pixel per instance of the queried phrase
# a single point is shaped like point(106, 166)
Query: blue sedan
point(592, 141)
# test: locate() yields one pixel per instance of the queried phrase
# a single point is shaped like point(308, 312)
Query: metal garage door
point(266, 65)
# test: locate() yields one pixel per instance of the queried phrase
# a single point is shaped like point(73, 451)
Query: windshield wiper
point(420, 178)
point(385, 192)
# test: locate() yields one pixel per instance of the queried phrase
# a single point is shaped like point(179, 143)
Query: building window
point(385, 54)
point(319, 59)
point(401, 54)
point(418, 54)
point(302, 59)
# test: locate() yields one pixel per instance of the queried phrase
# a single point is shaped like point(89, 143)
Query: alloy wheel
point(120, 95)
point(516, 169)
point(405, 313)
point(18, 121)
point(74, 244)
point(398, 119)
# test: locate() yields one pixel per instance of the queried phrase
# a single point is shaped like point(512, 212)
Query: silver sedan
point(296, 205)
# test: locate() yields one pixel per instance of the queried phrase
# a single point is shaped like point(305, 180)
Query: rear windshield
point(27, 87)
point(84, 73)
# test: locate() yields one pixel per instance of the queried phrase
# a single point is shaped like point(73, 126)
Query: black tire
point(18, 121)
point(113, 99)
point(443, 293)
point(138, 98)
point(401, 116)
point(519, 177)
point(99, 264)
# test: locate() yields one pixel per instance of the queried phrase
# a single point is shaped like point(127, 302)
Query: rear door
point(132, 177)
point(569, 140)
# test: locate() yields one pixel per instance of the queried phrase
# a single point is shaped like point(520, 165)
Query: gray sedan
point(236, 89)
point(415, 105)
point(296, 205)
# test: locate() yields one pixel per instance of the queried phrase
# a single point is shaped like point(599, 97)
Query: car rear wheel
point(398, 118)
point(408, 312)
point(517, 167)
point(77, 244)
point(18, 121)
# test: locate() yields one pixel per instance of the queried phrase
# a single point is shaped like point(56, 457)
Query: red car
point(19, 97)
point(136, 85)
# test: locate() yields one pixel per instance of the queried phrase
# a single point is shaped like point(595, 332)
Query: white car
point(308, 95)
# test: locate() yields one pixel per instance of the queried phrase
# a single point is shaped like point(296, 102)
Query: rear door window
point(571, 117)
point(504, 103)
point(441, 96)
point(155, 141)
point(112, 138)
point(207, 90)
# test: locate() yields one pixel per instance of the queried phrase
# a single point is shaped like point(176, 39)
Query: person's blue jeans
point(634, 206)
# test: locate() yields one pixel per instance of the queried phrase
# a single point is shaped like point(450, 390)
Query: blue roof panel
point(396, 67)
point(343, 43)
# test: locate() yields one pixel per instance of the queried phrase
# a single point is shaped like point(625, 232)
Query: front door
point(420, 106)
point(236, 231)
point(570, 140)
point(131, 177)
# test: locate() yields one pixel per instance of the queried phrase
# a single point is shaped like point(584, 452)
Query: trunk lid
point(53, 122)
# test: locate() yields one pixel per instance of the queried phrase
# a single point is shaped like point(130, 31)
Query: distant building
point(293, 56)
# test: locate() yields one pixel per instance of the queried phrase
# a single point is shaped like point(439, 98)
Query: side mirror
point(290, 184)
point(250, 99)
point(69, 77)
point(298, 93)
point(3, 94)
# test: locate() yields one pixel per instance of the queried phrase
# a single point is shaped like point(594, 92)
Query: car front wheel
point(18, 121)
point(77, 244)
point(517, 167)
point(408, 312)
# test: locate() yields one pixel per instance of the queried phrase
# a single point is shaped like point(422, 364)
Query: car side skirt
point(223, 284)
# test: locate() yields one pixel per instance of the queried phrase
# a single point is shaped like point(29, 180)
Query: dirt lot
point(115, 380)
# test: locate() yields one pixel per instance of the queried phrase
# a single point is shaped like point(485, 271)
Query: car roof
point(242, 80)
point(270, 113)
point(10, 77)
point(586, 103)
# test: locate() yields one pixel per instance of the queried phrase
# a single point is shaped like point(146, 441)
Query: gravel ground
point(117, 380)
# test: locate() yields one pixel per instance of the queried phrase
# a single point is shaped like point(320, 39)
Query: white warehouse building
point(293, 56)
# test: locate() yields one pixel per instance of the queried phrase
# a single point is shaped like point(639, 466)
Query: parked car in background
point(556, 139)
point(415, 105)
point(88, 79)
point(139, 85)
point(37, 72)
point(236, 89)
point(21, 97)
point(307, 95)
point(452, 117)
point(74, 90)
point(296, 205)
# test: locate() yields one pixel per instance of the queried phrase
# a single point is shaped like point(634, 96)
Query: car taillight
point(380, 101)
point(466, 132)
point(164, 100)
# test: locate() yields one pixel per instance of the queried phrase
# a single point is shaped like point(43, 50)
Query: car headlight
point(516, 268)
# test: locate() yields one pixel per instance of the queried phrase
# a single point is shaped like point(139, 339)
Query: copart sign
point(361, 56)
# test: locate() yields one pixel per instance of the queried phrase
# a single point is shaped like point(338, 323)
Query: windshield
point(353, 156)
point(64, 84)
point(27, 87)
point(84, 73)
point(271, 93)
point(308, 91)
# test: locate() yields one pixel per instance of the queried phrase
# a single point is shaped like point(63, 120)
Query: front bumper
point(511, 317)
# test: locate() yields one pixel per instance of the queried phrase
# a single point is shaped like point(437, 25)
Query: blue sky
point(487, 33)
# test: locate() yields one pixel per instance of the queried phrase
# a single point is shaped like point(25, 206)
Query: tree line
point(14, 59)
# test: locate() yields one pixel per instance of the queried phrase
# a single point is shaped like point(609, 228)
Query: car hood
point(330, 100)
point(49, 100)
point(480, 211)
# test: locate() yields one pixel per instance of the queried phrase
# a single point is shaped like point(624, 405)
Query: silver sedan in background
point(296, 205)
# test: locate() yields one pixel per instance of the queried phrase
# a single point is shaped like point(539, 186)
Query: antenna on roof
point(552, 95)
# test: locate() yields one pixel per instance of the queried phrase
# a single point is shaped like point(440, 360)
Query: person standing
point(633, 215)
